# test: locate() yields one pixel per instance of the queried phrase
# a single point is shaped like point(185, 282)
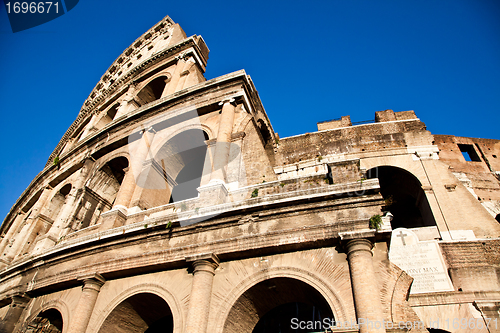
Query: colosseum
point(171, 205)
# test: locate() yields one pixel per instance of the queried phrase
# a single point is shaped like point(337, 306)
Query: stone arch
point(100, 191)
point(57, 202)
point(183, 158)
point(404, 197)
point(497, 218)
point(327, 292)
point(55, 313)
point(142, 289)
point(106, 117)
point(152, 90)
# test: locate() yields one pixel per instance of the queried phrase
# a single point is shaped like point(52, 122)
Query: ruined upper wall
point(390, 130)
point(481, 175)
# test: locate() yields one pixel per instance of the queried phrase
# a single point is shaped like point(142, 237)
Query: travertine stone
point(364, 286)
point(90, 290)
point(201, 292)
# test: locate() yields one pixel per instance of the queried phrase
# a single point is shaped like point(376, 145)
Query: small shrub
point(375, 222)
point(169, 225)
point(282, 184)
point(255, 193)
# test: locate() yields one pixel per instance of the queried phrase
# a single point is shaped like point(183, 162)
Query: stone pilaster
point(126, 190)
point(364, 286)
point(69, 207)
point(90, 290)
point(172, 86)
point(137, 159)
point(223, 145)
point(128, 103)
point(201, 292)
point(29, 224)
point(16, 308)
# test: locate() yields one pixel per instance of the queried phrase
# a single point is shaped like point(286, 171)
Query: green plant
point(362, 180)
point(282, 184)
point(56, 161)
point(277, 140)
point(196, 210)
point(255, 193)
point(145, 226)
point(169, 225)
point(320, 158)
point(375, 222)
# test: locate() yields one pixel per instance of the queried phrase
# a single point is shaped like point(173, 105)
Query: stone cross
point(402, 237)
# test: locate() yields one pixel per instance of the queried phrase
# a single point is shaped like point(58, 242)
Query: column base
point(112, 219)
point(214, 193)
point(45, 242)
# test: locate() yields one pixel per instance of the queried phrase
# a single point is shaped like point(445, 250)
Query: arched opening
point(107, 117)
point(47, 321)
point(437, 330)
point(50, 215)
point(279, 305)
point(404, 197)
point(497, 217)
point(183, 159)
point(57, 202)
point(152, 91)
point(100, 193)
point(144, 313)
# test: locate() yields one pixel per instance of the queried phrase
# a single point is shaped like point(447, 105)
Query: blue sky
point(310, 61)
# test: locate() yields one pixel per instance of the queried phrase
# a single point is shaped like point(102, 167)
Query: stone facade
point(171, 205)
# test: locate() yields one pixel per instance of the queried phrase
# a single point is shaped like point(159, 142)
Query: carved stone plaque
point(421, 260)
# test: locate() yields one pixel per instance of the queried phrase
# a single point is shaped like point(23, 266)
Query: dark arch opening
point(152, 91)
point(101, 193)
point(437, 330)
point(112, 111)
point(404, 197)
point(497, 217)
point(47, 321)
point(276, 305)
point(183, 159)
point(145, 312)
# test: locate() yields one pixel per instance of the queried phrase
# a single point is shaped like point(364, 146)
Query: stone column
point(67, 211)
point(364, 286)
point(90, 290)
point(201, 292)
point(127, 104)
point(24, 234)
point(164, 93)
point(89, 127)
point(174, 82)
point(137, 159)
point(10, 233)
point(14, 313)
point(222, 148)
point(126, 190)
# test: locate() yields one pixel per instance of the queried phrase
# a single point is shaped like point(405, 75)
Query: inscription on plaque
point(421, 260)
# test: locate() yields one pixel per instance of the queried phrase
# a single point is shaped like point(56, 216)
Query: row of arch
point(153, 90)
point(264, 307)
point(402, 191)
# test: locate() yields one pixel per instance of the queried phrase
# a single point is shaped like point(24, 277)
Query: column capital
point(207, 262)
point(20, 300)
point(92, 281)
point(227, 100)
point(149, 129)
point(358, 244)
